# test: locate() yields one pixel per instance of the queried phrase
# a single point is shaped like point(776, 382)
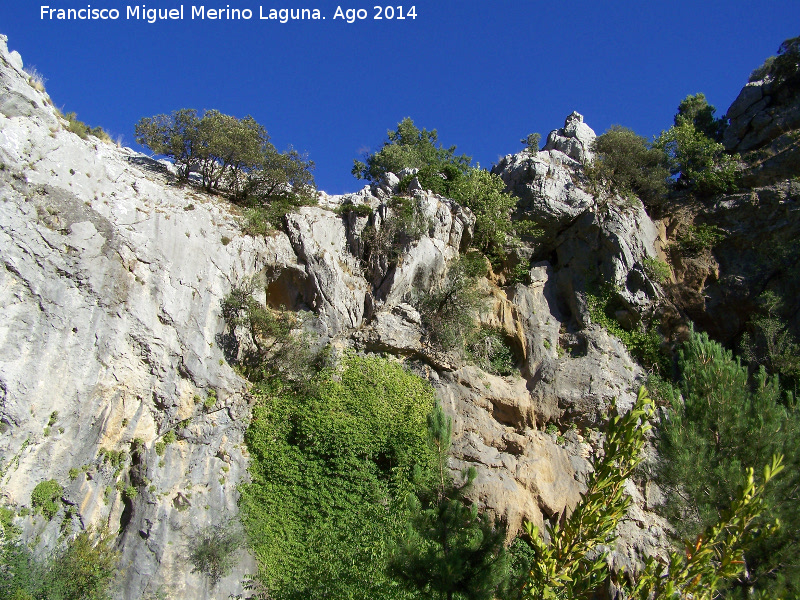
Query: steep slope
point(114, 339)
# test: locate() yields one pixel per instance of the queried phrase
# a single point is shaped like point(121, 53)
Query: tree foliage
point(409, 147)
point(727, 422)
point(629, 164)
point(449, 549)
point(83, 570)
point(330, 471)
point(231, 155)
point(693, 152)
point(449, 311)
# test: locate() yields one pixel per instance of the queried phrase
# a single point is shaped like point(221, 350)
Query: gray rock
point(574, 139)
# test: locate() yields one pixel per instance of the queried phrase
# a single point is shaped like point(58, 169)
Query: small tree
point(449, 550)
point(408, 147)
point(531, 142)
point(629, 164)
point(212, 550)
point(449, 312)
point(231, 155)
point(693, 152)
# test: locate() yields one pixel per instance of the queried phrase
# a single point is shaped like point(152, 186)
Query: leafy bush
point(532, 141)
point(784, 67)
point(46, 497)
point(629, 164)
point(699, 238)
point(330, 471)
point(280, 350)
point(408, 147)
point(482, 192)
point(84, 570)
point(403, 225)
point(570, 566)
point(696, 110)
point(700, 162)
point(657, 269)
point(769, 343)
point(643, 343)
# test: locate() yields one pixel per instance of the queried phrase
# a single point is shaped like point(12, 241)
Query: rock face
point(764, 120)
point(574, 139)
point(113, 338)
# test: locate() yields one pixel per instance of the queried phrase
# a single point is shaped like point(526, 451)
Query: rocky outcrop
point(764, 126)
point(574, 139)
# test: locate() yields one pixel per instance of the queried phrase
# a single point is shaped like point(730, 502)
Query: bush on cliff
point(233, 156)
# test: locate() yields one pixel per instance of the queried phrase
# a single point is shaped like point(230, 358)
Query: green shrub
point(657, 270)
point(330, 471)
point(169, 437)
point(489, 349)
point(212, 549)
point(532, 141)
point(724, 421)
point(46, 497)
point(404, 224)
point(84, 570)
point(73, 474)
point(408, 147)
point(449, 311)
point(629, 165)
point(700, 162)
point(699, 238)
point(643, 343)
point(211, 400)
point(160, 447)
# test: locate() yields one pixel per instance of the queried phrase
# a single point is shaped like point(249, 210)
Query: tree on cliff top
point(410, 147)
point(231, 155)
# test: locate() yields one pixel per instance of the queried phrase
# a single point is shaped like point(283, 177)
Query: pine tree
point(450, 550)
point(725, 423)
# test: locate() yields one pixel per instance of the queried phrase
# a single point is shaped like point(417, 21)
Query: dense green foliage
point(441, 171)
point(726, 422)
point(482, 192)
point(212, 549)
point(707, 565)
point(629, 165)
point(83, 570)
point(768, 343)
point(696, 110)
point(693, 152)
point(489, 349)
point(785, 66)
point(330, 474)
point(46, 497)
point(449, 550)
point(233, 156)
point(408, 147)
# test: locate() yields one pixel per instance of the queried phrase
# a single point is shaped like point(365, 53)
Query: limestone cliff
point(113, 335)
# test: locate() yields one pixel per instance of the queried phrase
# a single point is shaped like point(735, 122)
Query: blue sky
point(483, 73)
